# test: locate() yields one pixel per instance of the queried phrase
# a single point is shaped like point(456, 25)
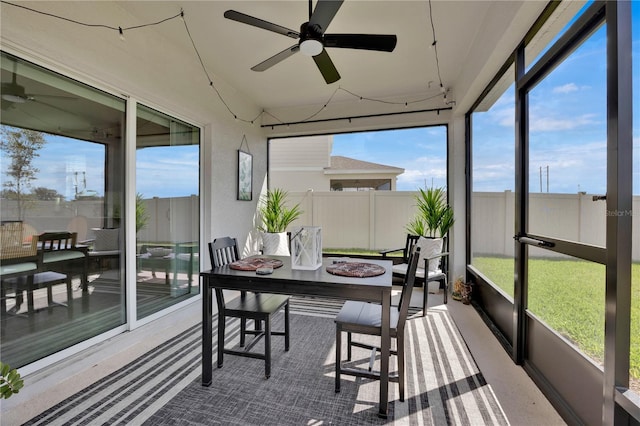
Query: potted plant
point(434, 217)
point(275, 217)
point(142, 217)
point(10, 381)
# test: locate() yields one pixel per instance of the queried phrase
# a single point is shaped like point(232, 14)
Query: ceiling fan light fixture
point(13, 98)
point(311, 47)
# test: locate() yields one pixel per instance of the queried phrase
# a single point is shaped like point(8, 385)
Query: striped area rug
point(444, 385)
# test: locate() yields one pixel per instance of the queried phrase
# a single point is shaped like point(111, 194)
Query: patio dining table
point(318, 282)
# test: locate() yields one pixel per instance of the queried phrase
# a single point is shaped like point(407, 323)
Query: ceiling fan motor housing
point(311, 42)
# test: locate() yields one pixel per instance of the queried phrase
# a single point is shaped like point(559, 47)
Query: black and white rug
point(444, 385)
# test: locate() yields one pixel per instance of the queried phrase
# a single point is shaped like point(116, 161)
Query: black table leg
point(385, 349)
point(207, 331)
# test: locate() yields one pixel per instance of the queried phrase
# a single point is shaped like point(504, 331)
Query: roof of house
point(340, 164)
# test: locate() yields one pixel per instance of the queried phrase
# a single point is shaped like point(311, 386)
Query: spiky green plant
point(446, 220)
point(10, 381)
point(434, 215)
point(274, 213)
point(417, 226)
point(142, 217)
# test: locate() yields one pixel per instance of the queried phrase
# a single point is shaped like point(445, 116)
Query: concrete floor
point(521, 400)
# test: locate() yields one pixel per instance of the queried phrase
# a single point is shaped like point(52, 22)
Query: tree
point(21, 145)
point(46, 194)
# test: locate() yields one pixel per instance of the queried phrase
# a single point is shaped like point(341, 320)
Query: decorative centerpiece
point(306, 247)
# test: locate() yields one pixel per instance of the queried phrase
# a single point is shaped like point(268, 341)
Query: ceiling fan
point(312, 39)
point(14, 93)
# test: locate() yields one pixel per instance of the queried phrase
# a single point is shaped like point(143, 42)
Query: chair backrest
point(408, 247)
point(407, 287)
point(50, 241)
point(223, 251)
point(12, 244)
point(106, 239)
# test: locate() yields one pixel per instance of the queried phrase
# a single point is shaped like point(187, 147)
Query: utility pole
point(547, 172)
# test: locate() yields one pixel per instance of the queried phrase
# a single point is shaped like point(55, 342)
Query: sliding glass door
point(62, 169)
point(167, 211)
point(62, 157)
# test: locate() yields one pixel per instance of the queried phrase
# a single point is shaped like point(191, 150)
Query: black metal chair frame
point(365, 318)
point(259, 307)
point(423, 281)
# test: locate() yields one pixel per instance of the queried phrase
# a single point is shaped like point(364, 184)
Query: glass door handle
point(532, 241)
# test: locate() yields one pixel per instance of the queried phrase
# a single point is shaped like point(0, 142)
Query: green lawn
point(569, 296)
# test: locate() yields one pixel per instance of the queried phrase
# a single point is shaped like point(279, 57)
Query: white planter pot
point(275, 244)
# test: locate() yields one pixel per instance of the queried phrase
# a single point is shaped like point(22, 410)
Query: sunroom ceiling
point(473, 39)
point(467, 33)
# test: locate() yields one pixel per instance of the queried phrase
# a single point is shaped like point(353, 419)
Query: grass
point(569, 296)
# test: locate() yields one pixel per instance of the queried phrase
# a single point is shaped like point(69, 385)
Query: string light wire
point(434, 46)
point(120, 30)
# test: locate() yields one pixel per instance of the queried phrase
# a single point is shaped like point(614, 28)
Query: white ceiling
point(474, 38)
point(471, 37)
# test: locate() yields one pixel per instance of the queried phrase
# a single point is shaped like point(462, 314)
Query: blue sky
point(421, 152)
point(567, 131)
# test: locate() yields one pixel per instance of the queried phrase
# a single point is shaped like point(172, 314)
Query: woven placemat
point(356, 269)
point(254, 263)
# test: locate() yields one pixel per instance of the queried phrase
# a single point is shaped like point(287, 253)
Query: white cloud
point(551, 124)
point(566, 88)
point(423, 171)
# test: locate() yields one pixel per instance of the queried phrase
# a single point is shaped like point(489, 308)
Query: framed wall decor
point(245, 176)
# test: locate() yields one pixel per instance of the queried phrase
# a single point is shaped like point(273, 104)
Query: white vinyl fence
point(373, 220)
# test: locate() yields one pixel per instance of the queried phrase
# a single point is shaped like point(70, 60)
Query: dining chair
point(365, 318)
point(104, 247)
point(19, 269)
point(58, 252)
point(432, 266)
point(259, 307)
point(17, 259)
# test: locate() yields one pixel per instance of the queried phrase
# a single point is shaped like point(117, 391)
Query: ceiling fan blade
point(59, 97)
point(256, 22)
point(323, 14)
point(380, 42)
point(264, 65)
point(47, 104)
point(326, 67)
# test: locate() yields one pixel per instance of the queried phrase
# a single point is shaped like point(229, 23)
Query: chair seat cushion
point(104, 253)
point(39, 279)
point(61, 256)
point(361, 316)
point(188, 257)
point(18, 268)
point(266, 303)
point(401, 269)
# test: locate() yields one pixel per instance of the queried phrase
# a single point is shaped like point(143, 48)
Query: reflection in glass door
point(61, 155)
point(167, 211)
